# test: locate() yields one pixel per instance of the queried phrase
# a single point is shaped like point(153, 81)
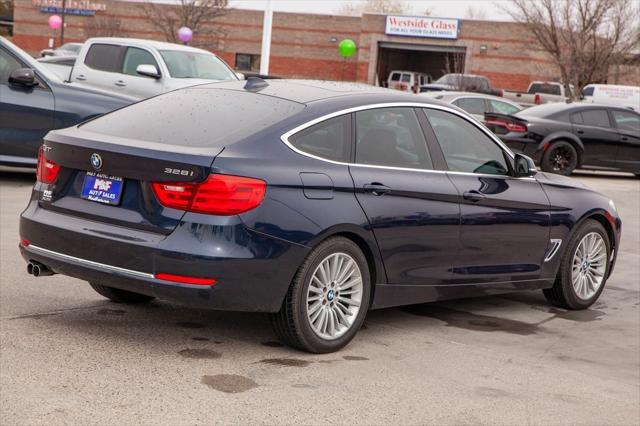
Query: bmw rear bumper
point(253, 271)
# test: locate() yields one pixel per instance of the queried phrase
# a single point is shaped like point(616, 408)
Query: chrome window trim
point(89, 263)
point(285, 137)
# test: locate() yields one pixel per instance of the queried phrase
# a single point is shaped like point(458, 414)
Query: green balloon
point(347, 48)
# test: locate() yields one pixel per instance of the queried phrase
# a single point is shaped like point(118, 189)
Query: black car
point(562, 137)
point(314, 202)
point(34, 100)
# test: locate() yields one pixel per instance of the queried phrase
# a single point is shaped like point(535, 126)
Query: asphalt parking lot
point(68, 356)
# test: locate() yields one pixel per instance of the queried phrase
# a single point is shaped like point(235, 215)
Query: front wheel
point(560, 158)
point(328, 299)
point(584, 268)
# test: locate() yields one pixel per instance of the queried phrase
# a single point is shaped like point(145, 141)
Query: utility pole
point(266, 39)
point(64, 6)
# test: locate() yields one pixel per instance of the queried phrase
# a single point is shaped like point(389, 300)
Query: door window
point(135, 57)
point(627, 120)
point(471, 105)
point(8, 64)
point(104, 57)
point(592, 117)
point(465, 147)
point(329, 139)
point(406, 78)
point(503, 107)
point(391, 137)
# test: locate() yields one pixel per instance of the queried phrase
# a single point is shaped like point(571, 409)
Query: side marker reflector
point(184, 279)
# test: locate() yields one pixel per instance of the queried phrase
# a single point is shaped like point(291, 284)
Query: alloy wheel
point(334, 296)
point(589, 265)
point(561, 159)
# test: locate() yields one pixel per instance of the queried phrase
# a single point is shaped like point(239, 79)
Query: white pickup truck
point(540, 92)
point(145, 68)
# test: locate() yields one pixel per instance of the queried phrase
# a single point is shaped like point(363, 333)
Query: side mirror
point(148, 71)
point(24, 77)
point(524, 166)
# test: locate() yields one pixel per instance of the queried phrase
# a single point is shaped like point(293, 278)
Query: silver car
point(476, 104)
point(146, 68)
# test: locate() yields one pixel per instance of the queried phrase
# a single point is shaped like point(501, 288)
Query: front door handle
point(580, 131)
point(81, 77)
point(473, 195)
point(376, 188)
point(120, 83)
point(624, 138)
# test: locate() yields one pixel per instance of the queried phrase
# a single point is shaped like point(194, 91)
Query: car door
point(504, 228)
point(130, 82)
point(101, 67)
point(628, 128)
point(600, 139)
point(412, 209)
point(475, 106)
point(26, 114)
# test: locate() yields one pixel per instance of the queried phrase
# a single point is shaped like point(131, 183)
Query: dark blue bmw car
point(314, 202)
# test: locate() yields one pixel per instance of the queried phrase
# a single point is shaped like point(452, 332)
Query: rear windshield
point(195, 117)
point(546, 89)
point(549, 110)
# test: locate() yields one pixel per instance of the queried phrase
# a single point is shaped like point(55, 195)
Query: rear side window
point(135, 57)
point(391, 137)
point(503, 107)
point(592, 117)
point(104, 57)
point(196, 117)
point(471, 105)
point(627, 120)
point(395, 76)
point(406, 78)
point(329, 139)
point(465, 147)
point(588, 91)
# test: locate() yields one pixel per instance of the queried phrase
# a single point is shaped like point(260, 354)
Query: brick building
point(306, 45)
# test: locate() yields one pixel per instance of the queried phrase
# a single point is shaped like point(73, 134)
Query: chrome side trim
point(285, 137)
point(89, 263)
point(555, 245)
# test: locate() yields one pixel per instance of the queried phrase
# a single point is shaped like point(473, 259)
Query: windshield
point(182, 64)
point(71, 47)
point(449, 79)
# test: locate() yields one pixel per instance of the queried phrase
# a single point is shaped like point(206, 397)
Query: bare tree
point(6, 16)
point(454, 64)
point(583, 37)
point(374, 6)
point(199, 15)
point(103, 26)
point(475, 13)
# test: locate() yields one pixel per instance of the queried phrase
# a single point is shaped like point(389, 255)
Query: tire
point(563, 293)
point(296, 326)
point(121, 296)
point(560, 157)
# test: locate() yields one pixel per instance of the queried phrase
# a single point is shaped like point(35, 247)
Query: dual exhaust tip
point(38, 269)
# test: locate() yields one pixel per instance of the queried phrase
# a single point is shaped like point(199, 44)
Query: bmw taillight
point(47, 171)
point(222, 195)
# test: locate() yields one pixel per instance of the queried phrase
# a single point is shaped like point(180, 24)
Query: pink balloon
point(55, 22)
point(185, 34)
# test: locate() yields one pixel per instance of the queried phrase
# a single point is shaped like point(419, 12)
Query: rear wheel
point(560, 158)
point(584, 268)
point(327, 300)
point(121, 296)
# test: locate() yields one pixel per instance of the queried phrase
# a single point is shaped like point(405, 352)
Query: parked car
point(34, 100)
point(476, 104)
point(311, 201)
point(563, 137)
point(67, 49)
point(61, 65)
point(540, 92)
point(407, 81)
point(461, 82)
point(622, 96)
point(146, 68)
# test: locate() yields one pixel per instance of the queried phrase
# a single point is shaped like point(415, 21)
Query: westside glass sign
point(71, 7)
point(422, 26)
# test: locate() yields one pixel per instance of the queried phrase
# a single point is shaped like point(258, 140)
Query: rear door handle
point(376, 188)
point(473, 196)
point(624, 138)
point(120, 83)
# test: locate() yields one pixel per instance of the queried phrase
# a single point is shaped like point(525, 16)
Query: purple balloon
point(185, 34)
point(55, 22)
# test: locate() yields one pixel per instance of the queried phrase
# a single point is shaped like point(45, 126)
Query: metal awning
point(422, 47)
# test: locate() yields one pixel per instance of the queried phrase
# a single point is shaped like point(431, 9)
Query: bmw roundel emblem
point(96, 161)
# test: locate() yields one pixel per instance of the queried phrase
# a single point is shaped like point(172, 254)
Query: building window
point(247, 62)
